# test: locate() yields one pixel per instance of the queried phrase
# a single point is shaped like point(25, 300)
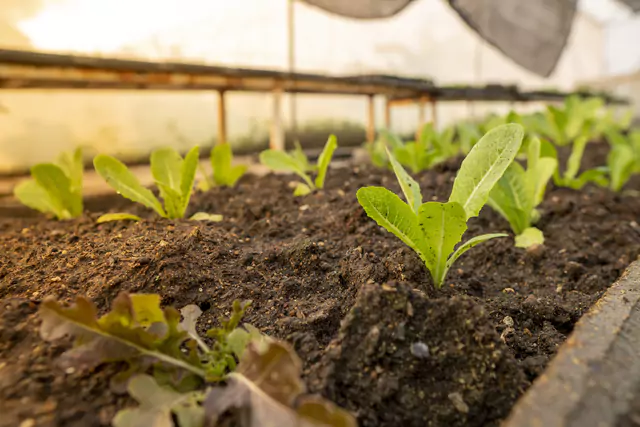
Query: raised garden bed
point(357, 304)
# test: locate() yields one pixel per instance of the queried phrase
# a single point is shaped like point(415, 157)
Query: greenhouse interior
point(241, 213)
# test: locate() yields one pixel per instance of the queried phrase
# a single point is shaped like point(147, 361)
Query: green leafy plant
point(298, 163)
point(377, 149)
point(520, 191)
point(623, 159)
point(173, 175)
point(620, 165)
point(576, 119)
point(224, 172)
point(55, 188)
point(430, 149)
point(433, 229)
point(467, 134)
point(570, 178)
point(151, 339)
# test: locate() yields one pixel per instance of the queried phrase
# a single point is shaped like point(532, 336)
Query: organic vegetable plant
point(224, 172)
point(262, 386)
point(55, 188)
point(623, 159)
point(173, 175)
point(569, 177)
point(431, 148)
point(433, 229)
point(520, 191)
point(575, 120)
point(298, 163)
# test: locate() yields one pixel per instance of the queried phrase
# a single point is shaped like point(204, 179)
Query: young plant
point(467, 134)
point(575, 120)
point(173, 175)
point(55, 188)
point(433, 229)
point(431, 148)
point(377, 150)
point(298, 163)
point(623, 159)
point(224, 172)
point(415, 155)
point(519, 192)
point(570, 178)
point(621, 162)
point(150, 339)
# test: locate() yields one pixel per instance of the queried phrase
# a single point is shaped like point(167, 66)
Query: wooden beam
point(222, 119)
point(277, 132)
point(371, 119)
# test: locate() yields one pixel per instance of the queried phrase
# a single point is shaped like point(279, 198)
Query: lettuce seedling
point(519, 192)
point(575, 120)
point(433, 229)
point(298, 163)
point(623, 159)
point(431, 148)
point(55, 188)
point(620, 165)
point(139, 332)
point(570, 178)
point(467, 134)
point(224, 172)
point(173, 175)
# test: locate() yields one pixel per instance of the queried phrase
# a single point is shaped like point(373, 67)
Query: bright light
point(106, 25)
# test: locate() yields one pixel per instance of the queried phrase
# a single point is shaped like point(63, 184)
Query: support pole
point(291, 41)
point(421, 116)
point(222, 119)
point(387, 114)
point(371, 120)
point(277, 134)
point(434, 113)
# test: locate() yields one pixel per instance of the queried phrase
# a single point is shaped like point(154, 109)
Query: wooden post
point(371, 120)
point(387, 114)
point(277, 135)
point(222, 119)
point(291, 49)
point(434, 113)
point(421, 116)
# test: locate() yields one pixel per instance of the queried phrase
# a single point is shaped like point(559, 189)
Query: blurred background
point(428, 39)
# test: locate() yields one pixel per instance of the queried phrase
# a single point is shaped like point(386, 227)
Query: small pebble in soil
point(458, 402)
point(508, 320)
point(420, 350)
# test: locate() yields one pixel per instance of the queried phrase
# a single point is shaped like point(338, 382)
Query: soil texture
point(357, 304)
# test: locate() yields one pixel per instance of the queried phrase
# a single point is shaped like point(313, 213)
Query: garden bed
point(357, 304)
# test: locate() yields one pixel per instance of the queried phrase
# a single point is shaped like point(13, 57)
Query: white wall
point(427, 39)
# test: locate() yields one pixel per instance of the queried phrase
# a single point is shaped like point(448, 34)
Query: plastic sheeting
point(532, 33)
point(361, 9)
point(632, 4)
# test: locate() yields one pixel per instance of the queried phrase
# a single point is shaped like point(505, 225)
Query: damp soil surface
point(357, 305)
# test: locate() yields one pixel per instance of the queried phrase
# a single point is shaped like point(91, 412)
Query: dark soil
point(374, 335)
